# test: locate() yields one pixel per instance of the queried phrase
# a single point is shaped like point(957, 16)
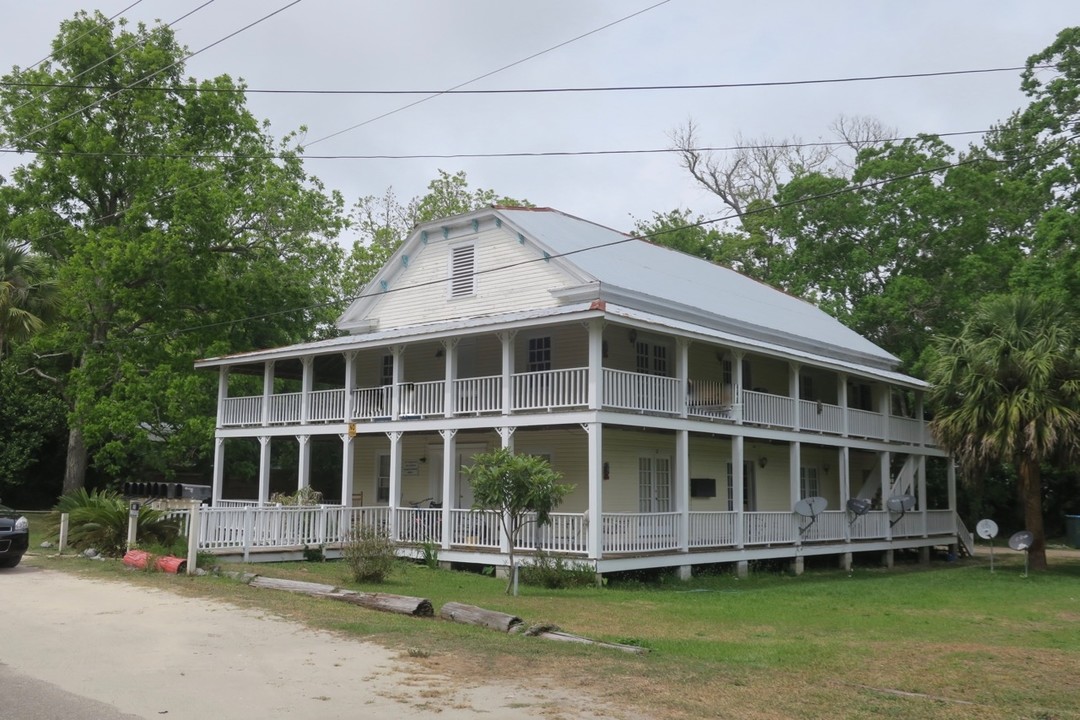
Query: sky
point(440, 44)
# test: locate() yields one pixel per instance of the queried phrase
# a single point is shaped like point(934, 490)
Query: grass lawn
point(952, 641)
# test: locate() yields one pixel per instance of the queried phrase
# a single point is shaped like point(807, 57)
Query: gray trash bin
point(1072, 530)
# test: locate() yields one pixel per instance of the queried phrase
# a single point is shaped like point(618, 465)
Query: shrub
point(369, 555)
point(99, 520)
point(430, 556)
point(303, 496)
point(555, 573)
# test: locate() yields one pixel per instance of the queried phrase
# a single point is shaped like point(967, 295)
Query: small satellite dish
point(987, 529)
point(1021, 541)
point(900, 503)
point(859, 506)
point(810, 507)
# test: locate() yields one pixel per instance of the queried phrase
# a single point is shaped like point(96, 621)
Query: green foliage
point(28, 294)
point(314, 554)
point(99, 520)
point(1007, 390)
point(370, 555)
point(555, 572)
point(430, 554)
point(522, 489)
point(171, 225)
point(303, 496)
point(34, 434)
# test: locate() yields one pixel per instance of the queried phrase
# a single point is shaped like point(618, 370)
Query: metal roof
point(671, 278)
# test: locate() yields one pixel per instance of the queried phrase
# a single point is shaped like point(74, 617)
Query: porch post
point(222, 393)
point(506, 437)
point(795, 456)
point(268, 390)
point(398, 354)
point(737, 379)
point(219, 470)
point(844, 478)
point(450, 375)
point(682, 373)
point(450, 498)
point(596, 364)
point(920, 415)
point(350, 383)
point(793, 387)
point(950, 480)
point(303, 471)
point(886, 487)
point(682, 484)
point(264, 469)
point(348, 457)
point(885, 408)
point(841, 396)
point(507, 340)
point(595, 529)
point(307, 382)
point(395, 479)
point(738, 482)
point(924, 506)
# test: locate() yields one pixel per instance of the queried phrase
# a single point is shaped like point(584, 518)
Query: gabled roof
point(637, 273)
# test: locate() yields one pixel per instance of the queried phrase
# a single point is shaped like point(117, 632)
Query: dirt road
point(153, 654)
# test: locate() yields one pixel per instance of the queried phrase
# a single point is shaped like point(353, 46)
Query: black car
point(14, 537)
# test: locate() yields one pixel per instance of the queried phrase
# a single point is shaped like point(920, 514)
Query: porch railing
point(905, 429)
point(326, 406)
point(285, 408)
point(873, 525)
point(640, 392)
point(821, 417)
point(641, 532)
point(550, 389)
point(829, 526)
point(713, 529)
point(371, 403)
point(863, 423)
point(475, 528)
point(565, 533)
point(241, 411)
point(765, 409)
point(479, 395)
point(422, 399)
point(769, 528)
point(419, 525)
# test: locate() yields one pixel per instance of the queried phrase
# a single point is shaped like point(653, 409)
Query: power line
point(511, 154)
point(488, 74)
point(629, 238)
point(552, 90)
point(158, 71)
point(74, 40)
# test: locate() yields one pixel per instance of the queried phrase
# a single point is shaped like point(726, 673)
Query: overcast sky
point(437, 44)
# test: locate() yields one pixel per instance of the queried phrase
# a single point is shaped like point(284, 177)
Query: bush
point(99, 520)
point(369, 555)
point(555, 573)
point(303, 497)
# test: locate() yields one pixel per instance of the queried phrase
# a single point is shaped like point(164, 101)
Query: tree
point(28, 296)
point(1007, 390)
point(178, 229)
point(521, 489)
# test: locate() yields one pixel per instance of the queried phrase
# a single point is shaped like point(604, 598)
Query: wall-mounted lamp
point(633, 336)
point(423, 459)
point(825, 468)
point(440, 352)
point(763, 461)
point(607, 470)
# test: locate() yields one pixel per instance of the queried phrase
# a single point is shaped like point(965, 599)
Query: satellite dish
point(1021, 541)
point(810, 507)
point(859, 506)
point(987, 529)
point(900, 503)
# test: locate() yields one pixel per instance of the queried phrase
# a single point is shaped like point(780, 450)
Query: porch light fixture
point(763, 461)
point(633, 336)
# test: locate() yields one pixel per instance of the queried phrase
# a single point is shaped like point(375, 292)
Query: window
point(729, 375)
point(749, 487)
point(462, 271)
point(386, 371)
point(860, 396)
point(806, 387)
point(808, 482)
point(654, 484)
point(652, 359)
point(539, 354)
point(382, 480)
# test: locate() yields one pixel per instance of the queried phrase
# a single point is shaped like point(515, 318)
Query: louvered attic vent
point(462, 267)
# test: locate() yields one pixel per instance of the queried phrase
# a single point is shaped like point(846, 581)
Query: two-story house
point(691, 408)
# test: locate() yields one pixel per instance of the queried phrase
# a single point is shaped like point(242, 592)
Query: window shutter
point(462, 267)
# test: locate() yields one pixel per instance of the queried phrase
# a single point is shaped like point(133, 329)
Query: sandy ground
point(154, 654)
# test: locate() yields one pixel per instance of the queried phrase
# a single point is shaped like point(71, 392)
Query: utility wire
point(629, 238)
point(158, 71)
point(487, 74)
point(551, 90)
point(74, 40)
point(517, 154)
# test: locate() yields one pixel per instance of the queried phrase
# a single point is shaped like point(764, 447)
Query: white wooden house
point(690, 407)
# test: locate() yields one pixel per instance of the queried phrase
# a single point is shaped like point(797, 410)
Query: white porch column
point(682, 484)
point(738, 485)
point(395, 480)
point(307, 382)
point(843, 476)
point(398, 353)
point(507, 340)
point(449, 470)
point(222, 393)
point(450, 375)
point(842, 399)
point(348, 457)
point(682, 372)
point(350, 384)
point(924, 506)
point(950, 480)
point(506, 437)
point(795, 455)
point(268, 390)
point(219, 470)
point(793, 388)
point(264, 469)
point(596, 364)
point(885, 408)
point(886, 487)
point(303, 470)
point(595, 532)
point(737, 379)
point(920, 415)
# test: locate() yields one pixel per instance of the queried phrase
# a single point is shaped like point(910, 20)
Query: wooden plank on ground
point(472, 615)
point(400, 604)
point(296, 586)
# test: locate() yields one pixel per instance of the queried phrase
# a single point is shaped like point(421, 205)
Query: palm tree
point(1007, 390)
point(28, 297)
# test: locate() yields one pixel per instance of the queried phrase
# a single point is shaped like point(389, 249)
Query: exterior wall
point(709, 458)
point(525, 287)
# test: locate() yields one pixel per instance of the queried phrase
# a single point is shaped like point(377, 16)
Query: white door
point(462, 488)
point(654, 484)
